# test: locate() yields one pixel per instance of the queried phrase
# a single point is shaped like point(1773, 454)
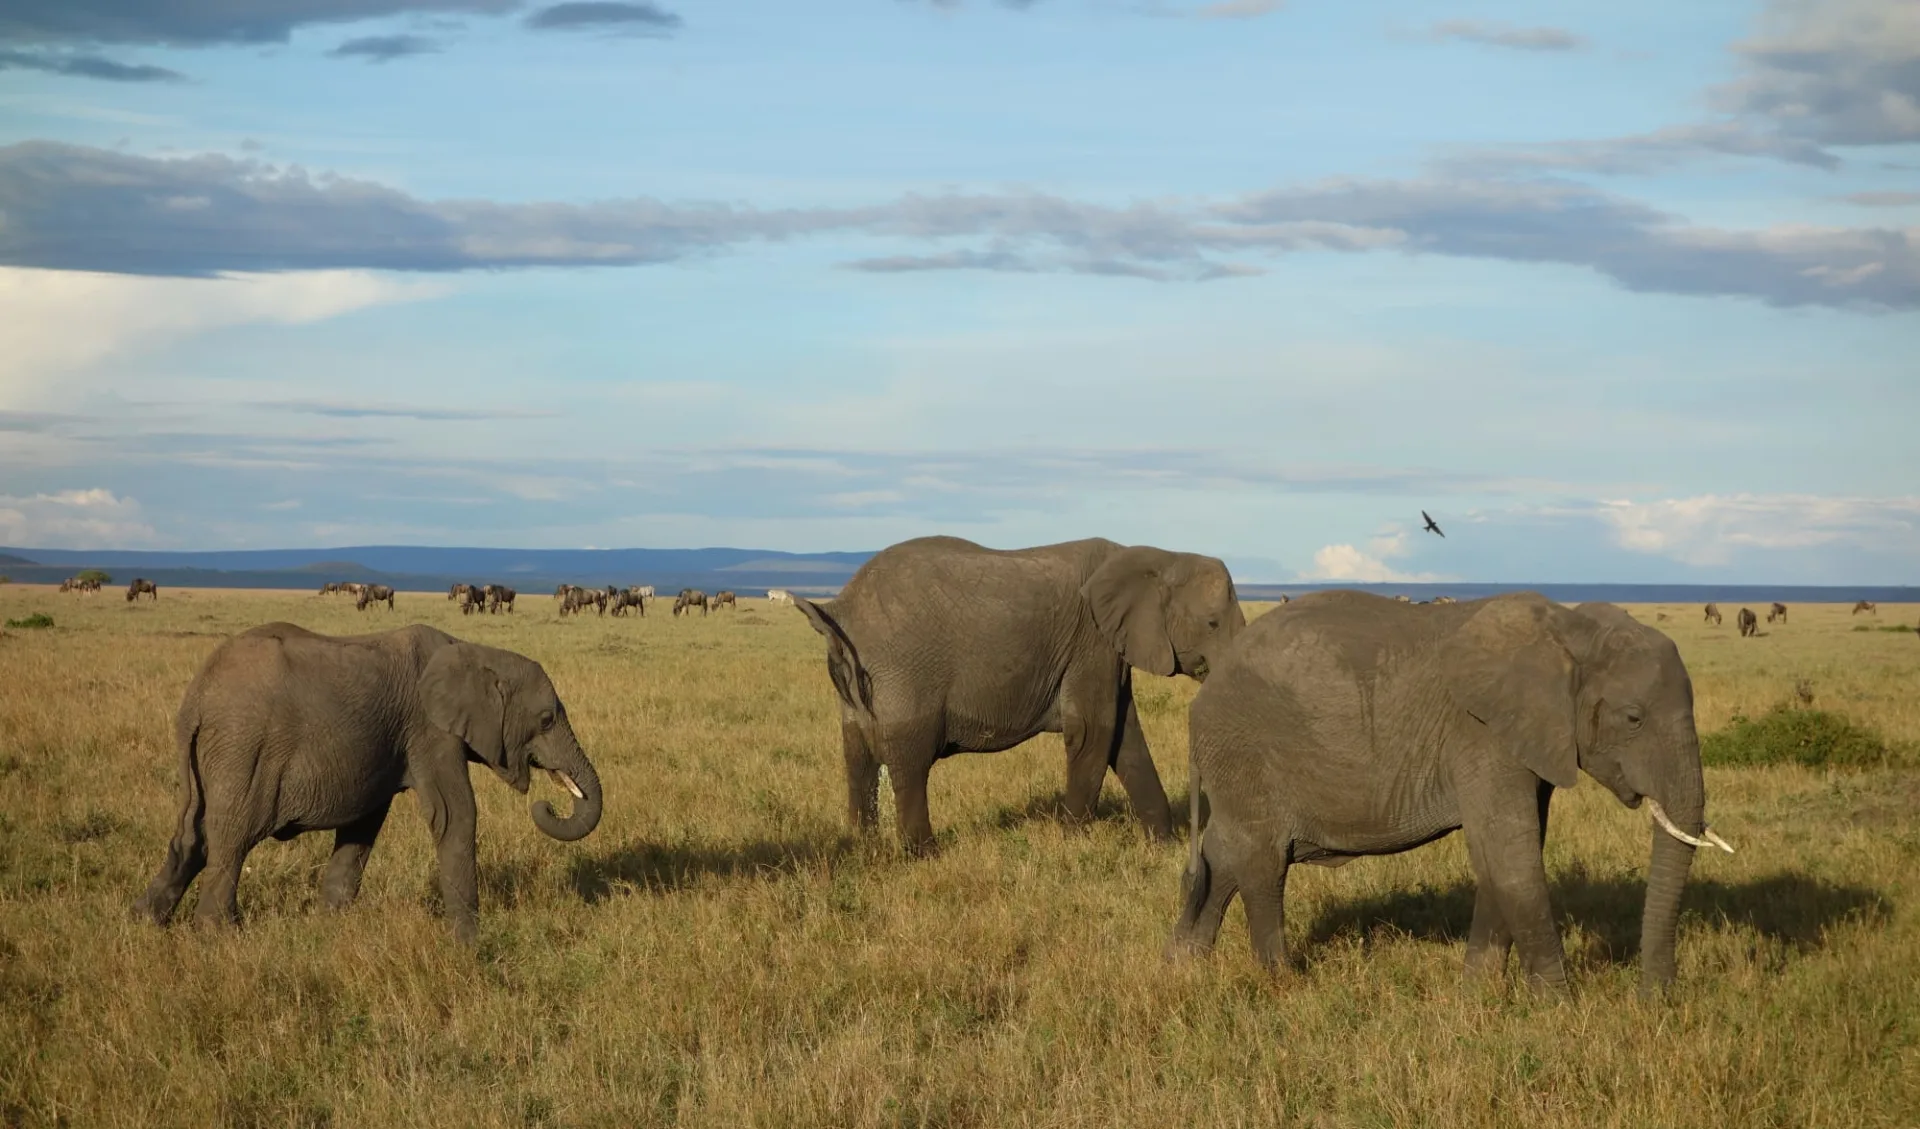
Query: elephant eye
point(1635, 716)
point(546, 720)
point(1213, 623)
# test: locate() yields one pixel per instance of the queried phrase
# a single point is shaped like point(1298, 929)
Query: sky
point(1631, 294)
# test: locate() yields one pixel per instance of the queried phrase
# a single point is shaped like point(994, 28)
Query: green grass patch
point(37, 619)
point(1806, 737)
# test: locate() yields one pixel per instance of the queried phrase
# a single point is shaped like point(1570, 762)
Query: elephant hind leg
point(909, 752)
point(227, 845)
point(352, 845)
point(1207, 894)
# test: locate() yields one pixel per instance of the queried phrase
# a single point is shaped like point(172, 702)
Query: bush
point(96, 574)
point(1813, 738)
point(37, 619)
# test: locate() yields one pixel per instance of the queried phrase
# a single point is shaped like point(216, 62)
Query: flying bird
point(1431, 526)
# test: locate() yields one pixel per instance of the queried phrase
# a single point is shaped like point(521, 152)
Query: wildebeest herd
point(1338, 725)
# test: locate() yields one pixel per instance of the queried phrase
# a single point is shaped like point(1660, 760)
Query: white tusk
point(1711, 839)
point(566, 782)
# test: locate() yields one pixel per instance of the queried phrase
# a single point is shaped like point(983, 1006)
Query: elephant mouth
point(1197, 670)
point(1708, 837)
point(566, 782)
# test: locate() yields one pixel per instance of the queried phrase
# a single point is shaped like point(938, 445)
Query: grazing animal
point(329, 588)
point(1285, 599)
point(375, 594)
point(1777, 611)
point(939, 646)
point(1713, 614)
point(779, 596)
point(352, 588)
point(1749, 623)
point(458, 591)
point(285, 731)
point(1431, 526)
point(579, 598)
point(142, 586)
point(1403, 599)
point(644, 591)
point(726, 599)
point(474, 599)
point(560, 593)
point(1660, 617)
point(499, 596)
point(1443, 599)
point(689, 599)
point(621, 601)
point(1347, 725)
point(1866, 606)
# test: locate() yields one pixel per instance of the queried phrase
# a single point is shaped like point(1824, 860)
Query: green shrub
point(37, 619)
point(96, 574)
point(1785, 735)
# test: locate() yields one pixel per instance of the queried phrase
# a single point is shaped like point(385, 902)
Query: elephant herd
point(1337, 726)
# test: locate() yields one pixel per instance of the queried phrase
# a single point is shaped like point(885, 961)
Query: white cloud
point(1345, 562)
point(78, 518)
point(54, 323)
point(1707, 529)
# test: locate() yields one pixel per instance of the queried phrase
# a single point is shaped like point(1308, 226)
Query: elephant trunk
point(1678, 826)
point(571, 769)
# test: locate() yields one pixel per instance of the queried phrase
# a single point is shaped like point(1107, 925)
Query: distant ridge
point(412, 568)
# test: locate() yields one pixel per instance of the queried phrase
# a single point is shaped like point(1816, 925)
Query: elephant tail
point(193, 798)
point(850, 679)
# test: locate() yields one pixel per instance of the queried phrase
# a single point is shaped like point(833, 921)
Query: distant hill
point(8, 559)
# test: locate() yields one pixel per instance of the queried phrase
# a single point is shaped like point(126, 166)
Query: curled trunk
point(565, 758)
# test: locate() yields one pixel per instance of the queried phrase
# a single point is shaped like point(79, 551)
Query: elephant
point(1777, 611)
point(285, 731)
point(689, 599)
point(1749, 623)
point(939, 646)
point(142, 586)
point(375, 594)
point(1349, 725)
point(499, 596)
point(1713, 614)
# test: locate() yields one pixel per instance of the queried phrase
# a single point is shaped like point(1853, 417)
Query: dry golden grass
point(719, 953)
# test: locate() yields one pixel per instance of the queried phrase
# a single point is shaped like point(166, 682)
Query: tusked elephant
point(1345, 725)
point(940, 646)
point(285, 731)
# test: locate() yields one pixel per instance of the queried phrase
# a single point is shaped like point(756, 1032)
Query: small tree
point(96, 574)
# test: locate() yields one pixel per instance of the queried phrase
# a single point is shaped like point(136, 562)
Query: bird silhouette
point(1431, 526)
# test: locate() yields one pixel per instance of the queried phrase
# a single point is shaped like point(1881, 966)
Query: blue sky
point(1629, 293)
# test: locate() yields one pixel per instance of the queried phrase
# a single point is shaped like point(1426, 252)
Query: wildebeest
point(1866, 606)
point(374, 594)
point(499, 596)
point(690, 598)
point(1404, 599)
point(458, 591)
point(329, 588)
point(1749, 623)
point(473, 599)
point(578, 598)
point(353, 588)
point(82, 584)
point(779, 596)
point(619, 602)
point(723, 598)
point(1443, 599)
point(560, 593)
point(1777, 611)
point(1285, 599)
point(1713, 615)
point(142, 586)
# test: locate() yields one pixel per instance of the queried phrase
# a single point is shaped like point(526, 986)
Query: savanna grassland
point(721, 953)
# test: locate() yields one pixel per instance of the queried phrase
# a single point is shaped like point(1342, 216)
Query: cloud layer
point(77, 208)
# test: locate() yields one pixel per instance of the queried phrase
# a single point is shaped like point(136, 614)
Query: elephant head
point(1164, 612)
point(1592, 689)
point(505, 709)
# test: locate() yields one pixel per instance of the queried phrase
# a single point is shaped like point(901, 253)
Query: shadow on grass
point(643, 865)
point(1790, 909)
point(1052, 808)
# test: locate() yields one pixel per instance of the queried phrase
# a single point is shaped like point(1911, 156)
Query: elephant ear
point(1128, 599)
point(465, 696)
point(1510, 667)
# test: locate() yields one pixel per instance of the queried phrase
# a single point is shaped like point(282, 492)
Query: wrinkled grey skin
point(141, 586)
point(285, 731)
point(1346, 724)
point(939, 646)
point(375, 594)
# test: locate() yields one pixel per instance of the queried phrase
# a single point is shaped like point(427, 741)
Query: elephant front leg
point(1134, 765)
point(352, 845)
point(1489, 941)
point(447, 803)
point(1502, 817)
